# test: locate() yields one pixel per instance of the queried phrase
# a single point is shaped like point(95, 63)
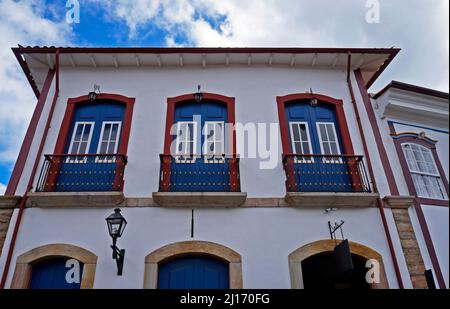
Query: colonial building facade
point(233, 167)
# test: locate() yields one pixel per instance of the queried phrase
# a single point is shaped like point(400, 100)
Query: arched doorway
point(196, 262)
point(312, 266)
point(319, 273)
point(193, 272)
point(45, 267)
point(52, 273)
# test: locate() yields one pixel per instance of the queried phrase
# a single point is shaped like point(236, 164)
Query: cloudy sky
point(419, 27)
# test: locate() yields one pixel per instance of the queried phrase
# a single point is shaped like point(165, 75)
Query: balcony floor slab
point(331, 199)
point(74, 199)
point(200, 199)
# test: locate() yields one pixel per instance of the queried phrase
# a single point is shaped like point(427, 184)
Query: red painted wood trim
point(103, 97)
point(200, 50)
point(433, 202)
point(170, 120)
point(28, 140)
point(417, 206)
point(19, 51)
point(340, 115)
point(412, 88)
point(377, 135)
point(26, 71)
point(185, 98)
point(285, 144)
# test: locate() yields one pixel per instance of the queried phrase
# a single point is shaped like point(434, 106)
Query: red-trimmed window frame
point(338, 105)
point(172, 103)
point(414, 138)
point(66, 124)
point(72, 103)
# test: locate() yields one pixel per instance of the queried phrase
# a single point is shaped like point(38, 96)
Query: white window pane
point(298, 148)
point(210, 148)
point(190, 132)
point(306, 149)
point(419, 184)
point(111, 148)
point(106, 132)
point(79, 131)
point(219, 131)
point(433, 187)
point(86, 133)
point(180, 148)
point(210, 133)
point(410, 158)
point(423, 167)
point(295, 132)
point(83, 148)
point(75, 146)
point(326, 149)
point(103, 147)
point(303, 133)
point(323, 132)
point(219, 148)
point(331, 135)
point(334, 148)
point(115, 129)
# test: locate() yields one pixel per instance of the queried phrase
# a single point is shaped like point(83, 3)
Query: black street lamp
point(116, 224)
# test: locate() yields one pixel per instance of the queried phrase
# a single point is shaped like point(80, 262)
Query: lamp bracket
point(333, 228)
point(119, 256)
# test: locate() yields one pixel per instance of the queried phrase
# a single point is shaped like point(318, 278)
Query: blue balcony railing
point(325, 173)
point(199, 173)
point(77, 173)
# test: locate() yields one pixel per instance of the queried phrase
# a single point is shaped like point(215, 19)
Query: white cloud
point(21, 23)
point(2, 188)
point(417, 26)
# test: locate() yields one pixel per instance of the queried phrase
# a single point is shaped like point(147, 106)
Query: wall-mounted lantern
point(198, 96)
point(94, 94)
point(116, 224)
point(313, 101)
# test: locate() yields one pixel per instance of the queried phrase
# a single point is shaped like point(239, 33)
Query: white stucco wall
point(255, 90)
point(438, 223)
point(263, 236)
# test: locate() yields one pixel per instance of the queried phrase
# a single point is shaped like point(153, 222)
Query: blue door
point(200, 132)
point(315, 130)
point(51, 274)
point(95, 129)
point(193, 272)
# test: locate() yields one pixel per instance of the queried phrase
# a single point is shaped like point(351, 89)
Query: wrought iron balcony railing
point(199, 173)
point(325, 173)
point(76, 173)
